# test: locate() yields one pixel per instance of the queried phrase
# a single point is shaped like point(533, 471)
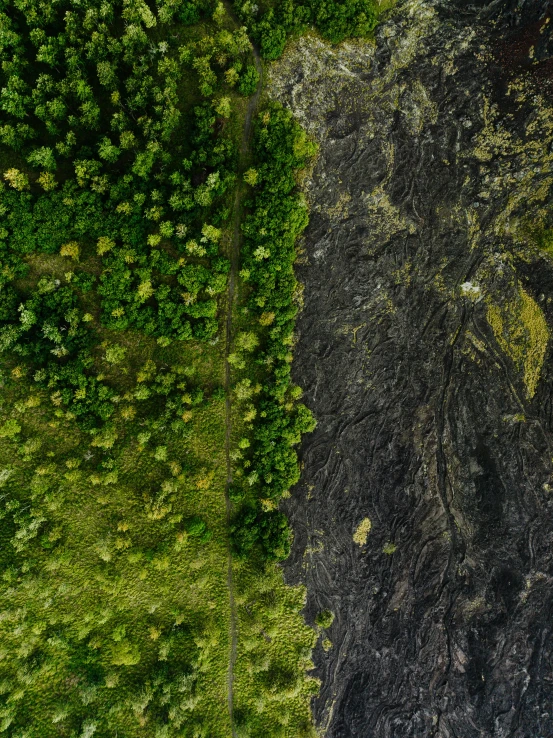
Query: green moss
point(325, 619)
point(545, 241)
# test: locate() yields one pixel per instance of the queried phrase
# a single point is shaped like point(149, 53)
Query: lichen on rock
point(362, 532)
point(521, 330)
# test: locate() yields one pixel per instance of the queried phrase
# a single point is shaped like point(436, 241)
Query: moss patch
point(521, 330)
point(362, 533)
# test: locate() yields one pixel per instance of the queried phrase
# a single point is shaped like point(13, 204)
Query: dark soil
point(424, 423)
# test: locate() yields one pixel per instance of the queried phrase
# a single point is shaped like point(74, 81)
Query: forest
point(120, 129)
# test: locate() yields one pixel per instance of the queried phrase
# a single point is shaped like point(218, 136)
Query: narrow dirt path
point(234, 253)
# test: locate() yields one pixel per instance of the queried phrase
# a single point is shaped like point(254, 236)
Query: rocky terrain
point(424, 519)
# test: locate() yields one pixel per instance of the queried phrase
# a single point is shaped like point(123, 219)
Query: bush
point(273, 41)
point(265, 533)
point(10, 429)
point(335, 19)
point(324, 619)
point(197, 528)
point(248, 81)
point(338, 19)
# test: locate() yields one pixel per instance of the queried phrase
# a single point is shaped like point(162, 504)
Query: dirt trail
point(234, 254)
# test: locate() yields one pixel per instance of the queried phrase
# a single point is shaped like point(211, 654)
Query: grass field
point(114, 607)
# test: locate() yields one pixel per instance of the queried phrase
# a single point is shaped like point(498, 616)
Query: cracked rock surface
point(424, 351)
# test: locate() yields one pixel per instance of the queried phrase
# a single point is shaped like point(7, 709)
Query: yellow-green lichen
point(418, 107)
point(521, 331)
point(362, 533)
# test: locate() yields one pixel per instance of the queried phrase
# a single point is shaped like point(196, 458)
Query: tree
point(17, 179)
point(43, 157)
